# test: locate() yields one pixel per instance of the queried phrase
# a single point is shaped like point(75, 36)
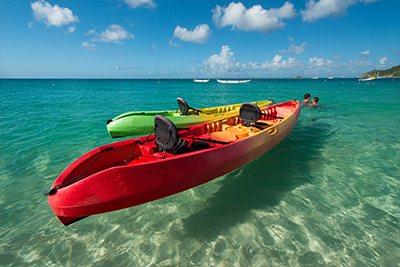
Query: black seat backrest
point(249, 113)
point(183, 106)
point(167, 136)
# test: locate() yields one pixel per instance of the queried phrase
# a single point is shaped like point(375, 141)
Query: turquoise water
point(328, 194)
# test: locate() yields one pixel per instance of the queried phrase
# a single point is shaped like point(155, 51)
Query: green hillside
point(389, 73)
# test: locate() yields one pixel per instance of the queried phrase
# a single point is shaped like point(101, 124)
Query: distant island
point(389, 73)
point(298, 77)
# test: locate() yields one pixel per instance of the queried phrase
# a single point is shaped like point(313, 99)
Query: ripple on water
point(326, 195)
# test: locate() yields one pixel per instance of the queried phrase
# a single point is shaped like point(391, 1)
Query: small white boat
point(366, 79)
point(371, 78)
point(201, 80)
point(233, 81)
point(330, 78)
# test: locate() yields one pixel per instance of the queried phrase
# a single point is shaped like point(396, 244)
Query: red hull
point(110, 184)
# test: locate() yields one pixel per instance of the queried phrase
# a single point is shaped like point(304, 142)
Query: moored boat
point(201, 80)
point(366, 79)
point(143, 169)
point(233, 81)
point(142, 122)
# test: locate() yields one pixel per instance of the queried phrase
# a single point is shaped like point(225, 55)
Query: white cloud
point(369, 1)
point(253, 19)
point(164, 70)
point(222, 63)
point(139, 3)
point(278, 63)
point(360, 62)
point(89, 46)
point(30, 25)
point(116, 67)
point(317, 9)
point(365, 53)
point(53, 15)
point(90, 32)
point(114, 34)
point(383, 61)
point(171, 43)
point(225, 63)
point(71, 29)
point(325, 8)
point(316, 62)
point(199, 35)
point(293, 49)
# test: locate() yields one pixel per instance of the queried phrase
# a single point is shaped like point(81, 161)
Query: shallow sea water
point(327, 195)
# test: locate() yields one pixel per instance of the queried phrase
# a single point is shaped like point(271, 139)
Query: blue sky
point(197, 38)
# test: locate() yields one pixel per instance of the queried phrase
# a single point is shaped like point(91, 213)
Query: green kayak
point(142, 122)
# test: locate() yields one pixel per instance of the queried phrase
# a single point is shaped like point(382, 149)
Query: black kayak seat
point(167, 137)
point(183, 105)
point(168, 140)
point(249, 113)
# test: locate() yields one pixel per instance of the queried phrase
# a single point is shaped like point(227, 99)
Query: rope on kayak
point(133, 148)
point(212, 141)
point(54, 190)
point(145, 140)
point(107, 149)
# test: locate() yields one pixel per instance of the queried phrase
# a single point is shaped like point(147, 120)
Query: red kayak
point(143, 169)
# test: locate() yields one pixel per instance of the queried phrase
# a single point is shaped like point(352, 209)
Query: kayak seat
point(184, 107)
point(166, 135)
point(249, 113)
point(168, 139)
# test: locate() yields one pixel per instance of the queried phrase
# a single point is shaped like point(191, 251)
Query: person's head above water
point(306, 99)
